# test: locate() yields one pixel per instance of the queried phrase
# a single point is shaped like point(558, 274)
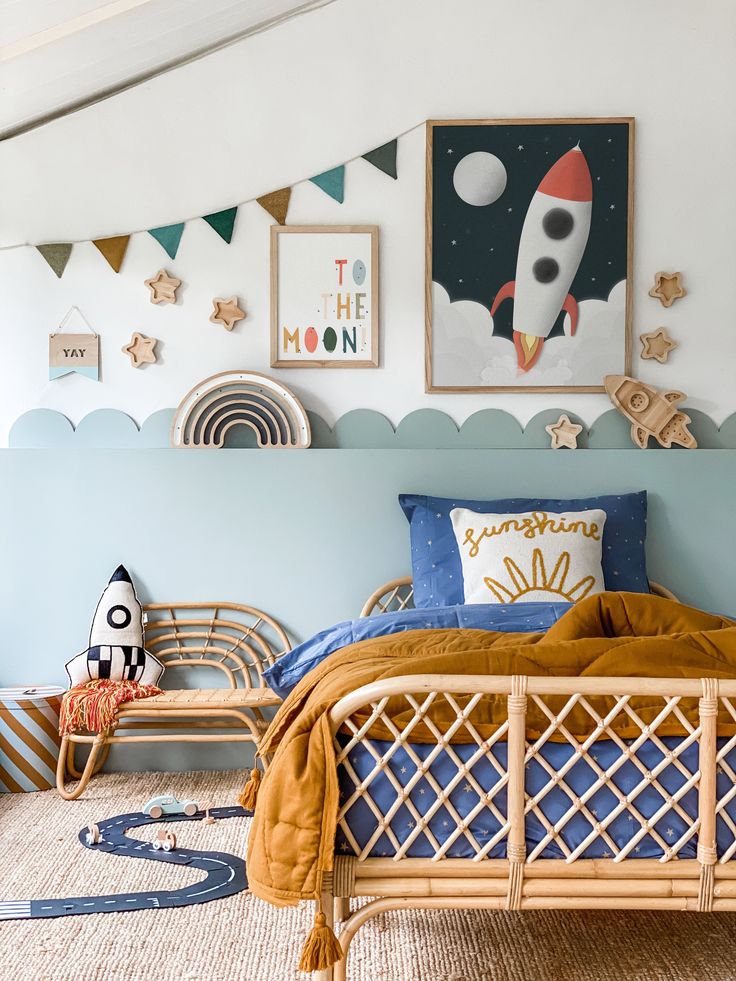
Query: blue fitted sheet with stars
point(464, 798)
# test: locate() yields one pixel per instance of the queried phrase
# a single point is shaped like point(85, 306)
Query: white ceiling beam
point(104, 56)
point(67, 28)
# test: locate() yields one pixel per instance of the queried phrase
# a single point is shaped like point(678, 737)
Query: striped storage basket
point(29, 738)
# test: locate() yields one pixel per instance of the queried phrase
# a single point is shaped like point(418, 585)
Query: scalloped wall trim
point(358, 429)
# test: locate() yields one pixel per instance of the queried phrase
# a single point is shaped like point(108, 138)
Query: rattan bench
point(239, 642)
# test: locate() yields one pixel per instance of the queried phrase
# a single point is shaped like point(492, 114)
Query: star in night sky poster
point(529, 234)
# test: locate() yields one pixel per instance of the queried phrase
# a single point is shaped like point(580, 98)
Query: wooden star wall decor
point(226, 312)
point(141, 350)
point(564, 433)
point(163, 287)
point(657, 345)
point(667, 288)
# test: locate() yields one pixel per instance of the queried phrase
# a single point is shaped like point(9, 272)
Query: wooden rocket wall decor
point(240, 398)
point(651, 412)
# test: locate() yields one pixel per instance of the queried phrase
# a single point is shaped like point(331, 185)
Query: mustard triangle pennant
point(113, 249)
point(276, 204)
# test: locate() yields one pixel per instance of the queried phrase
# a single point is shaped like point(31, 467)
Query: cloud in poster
point(466, 352)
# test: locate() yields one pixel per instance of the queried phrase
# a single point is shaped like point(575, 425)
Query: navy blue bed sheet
point(581, 776)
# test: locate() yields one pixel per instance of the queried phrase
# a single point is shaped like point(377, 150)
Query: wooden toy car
point(93, 835)
point(164, 839)
point(156, 807)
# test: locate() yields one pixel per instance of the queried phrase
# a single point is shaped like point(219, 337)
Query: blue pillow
point(435, 557)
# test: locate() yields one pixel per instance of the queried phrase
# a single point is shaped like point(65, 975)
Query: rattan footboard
point(524, 880)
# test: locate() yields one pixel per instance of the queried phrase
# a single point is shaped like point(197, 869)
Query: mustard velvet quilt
point(292, 837)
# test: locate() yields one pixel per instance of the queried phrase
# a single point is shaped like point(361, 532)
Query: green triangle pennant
point(223, 223)
point(168, 236)
point(332, 182)
point(384, 157)
point(57, 255)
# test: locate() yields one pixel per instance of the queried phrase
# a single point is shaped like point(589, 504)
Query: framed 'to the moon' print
point(529, 234)
point(324, 296)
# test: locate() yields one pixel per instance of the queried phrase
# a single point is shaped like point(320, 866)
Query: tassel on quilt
point(322, 948)
point(249, 794)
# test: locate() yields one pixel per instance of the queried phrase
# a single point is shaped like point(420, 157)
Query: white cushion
point(535, 556)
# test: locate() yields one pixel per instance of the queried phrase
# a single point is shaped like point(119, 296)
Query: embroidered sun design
point(539, 585)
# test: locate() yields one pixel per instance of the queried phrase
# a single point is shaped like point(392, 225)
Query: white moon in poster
point(479, 178)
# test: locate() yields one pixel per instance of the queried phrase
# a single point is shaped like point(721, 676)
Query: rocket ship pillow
point(116, 639)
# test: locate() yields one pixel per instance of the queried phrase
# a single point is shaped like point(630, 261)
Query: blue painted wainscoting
point(304, 534)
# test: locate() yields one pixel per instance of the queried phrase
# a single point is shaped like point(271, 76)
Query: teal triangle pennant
point(168, 236)
point(332, 182)
point(223, 222)
point(384, 157)
point(57, 255)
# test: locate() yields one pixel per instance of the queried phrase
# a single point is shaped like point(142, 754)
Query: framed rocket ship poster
point(529, 254)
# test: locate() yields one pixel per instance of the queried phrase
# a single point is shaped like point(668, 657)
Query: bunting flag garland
point(276, 204)
point(168, 236)
point(332, 182)
point(384, 157)
point(113, 249)
point(57, 255)
point(223, 223)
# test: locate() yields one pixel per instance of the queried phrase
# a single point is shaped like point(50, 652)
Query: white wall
point(290, 103)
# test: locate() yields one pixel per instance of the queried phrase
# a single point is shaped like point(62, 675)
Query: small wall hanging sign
point(651, 412)
point(141, 350)
point(667, 288)
point(324, 296)
point(528, 253)
point(74, 352)
point(657, 344)
point(226, 312)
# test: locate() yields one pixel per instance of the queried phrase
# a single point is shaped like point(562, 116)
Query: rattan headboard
point(398, 594)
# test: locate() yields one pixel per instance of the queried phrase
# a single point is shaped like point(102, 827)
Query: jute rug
point(243, 939)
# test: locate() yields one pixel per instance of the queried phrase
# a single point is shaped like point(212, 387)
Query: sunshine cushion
point(529, 557)
point(435, 555)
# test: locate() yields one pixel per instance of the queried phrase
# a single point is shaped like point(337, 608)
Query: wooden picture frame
point(492, 359)
point(315, 310)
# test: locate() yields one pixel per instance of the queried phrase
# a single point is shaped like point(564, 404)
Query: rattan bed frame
point(523, 881)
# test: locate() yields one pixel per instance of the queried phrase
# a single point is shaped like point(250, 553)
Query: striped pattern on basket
point(29, 738)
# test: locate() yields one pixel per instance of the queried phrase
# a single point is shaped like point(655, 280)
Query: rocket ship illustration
point(553, 240)
point(116, 639)
point(650, 412)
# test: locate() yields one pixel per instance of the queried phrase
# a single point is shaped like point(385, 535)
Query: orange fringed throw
point(92, 706)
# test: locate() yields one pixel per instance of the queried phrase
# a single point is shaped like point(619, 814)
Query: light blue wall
point(305, 535)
